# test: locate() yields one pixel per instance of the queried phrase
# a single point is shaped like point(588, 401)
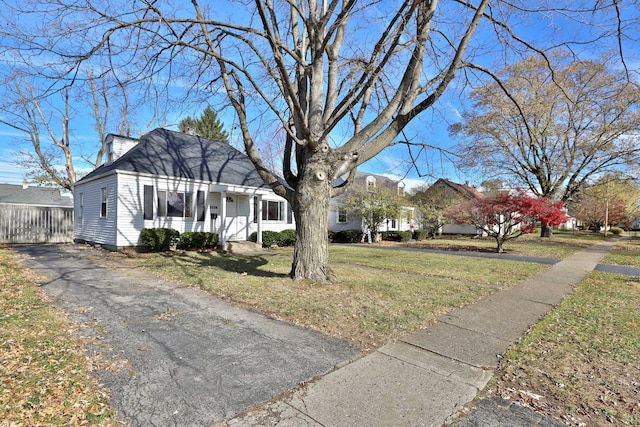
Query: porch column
point(259, 215)
point(223, 218)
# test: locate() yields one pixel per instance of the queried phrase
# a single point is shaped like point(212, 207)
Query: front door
point(236, 218)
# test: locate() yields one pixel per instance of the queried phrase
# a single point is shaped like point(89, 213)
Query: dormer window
point(371, 183)
point(109, 152)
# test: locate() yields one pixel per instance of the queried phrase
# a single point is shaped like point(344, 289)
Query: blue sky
point(430, 128)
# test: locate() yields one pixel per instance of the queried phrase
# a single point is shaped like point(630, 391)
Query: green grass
point(626, 252)
point(561, 245)
point(583, 358)
point(381, 294)
point(481, 270)
point(45, 378)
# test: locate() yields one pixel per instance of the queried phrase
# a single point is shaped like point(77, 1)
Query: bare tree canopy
point(342, 78)
point(554, 129)
point(45, 120)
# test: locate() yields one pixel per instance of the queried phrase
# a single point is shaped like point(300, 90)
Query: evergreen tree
point(207, 126)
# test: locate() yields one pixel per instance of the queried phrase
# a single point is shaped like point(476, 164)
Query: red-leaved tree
point(506, 216)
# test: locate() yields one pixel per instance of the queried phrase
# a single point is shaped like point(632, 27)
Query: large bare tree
point(552, 130)
point(342, 78)
point(45, 119)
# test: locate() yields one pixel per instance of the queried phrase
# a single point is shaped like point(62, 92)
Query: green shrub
point(186, 240)
point(279, 238)
point(420, 234)
point(270, 238)
point(287, 237)
point(348, 236)
point(616, 231)
point(212, 239)
point(158, 239)
point(198, 240)
point(390, 235)
point(404, 236)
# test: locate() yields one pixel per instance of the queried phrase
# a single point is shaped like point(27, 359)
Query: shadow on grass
point(251, 264)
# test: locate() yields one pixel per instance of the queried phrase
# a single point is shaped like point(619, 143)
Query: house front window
point(103, 206)
point(175, 204)
point(81, 203)
point(272, 210)
point(342, 216)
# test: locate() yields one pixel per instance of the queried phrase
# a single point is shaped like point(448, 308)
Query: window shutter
point(148, 202)
point(200, 207)
point(289, 213)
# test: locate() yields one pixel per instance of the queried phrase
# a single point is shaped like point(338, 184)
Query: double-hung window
point(342, 216)
point(175, 204)
point(273, 210)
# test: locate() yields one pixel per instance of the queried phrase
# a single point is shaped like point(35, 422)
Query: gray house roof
point(36, 196)
point(176, 154)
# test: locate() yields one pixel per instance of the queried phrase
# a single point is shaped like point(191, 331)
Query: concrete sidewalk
point(426, 378)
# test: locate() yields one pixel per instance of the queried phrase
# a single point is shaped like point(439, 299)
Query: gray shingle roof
point(176, 154)
point(37, 196)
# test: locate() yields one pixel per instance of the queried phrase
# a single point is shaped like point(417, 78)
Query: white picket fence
point(35, 224)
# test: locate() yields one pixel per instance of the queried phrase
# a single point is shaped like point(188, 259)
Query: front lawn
point(626, 252)
point(382, 293)
point(561, 245)
point(581, 364)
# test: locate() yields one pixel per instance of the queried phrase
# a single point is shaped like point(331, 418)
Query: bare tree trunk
point(311, 210)
point(546, 230)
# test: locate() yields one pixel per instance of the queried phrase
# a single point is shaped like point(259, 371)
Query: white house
point(339, 218)
point(174, 180)
point(450, 191)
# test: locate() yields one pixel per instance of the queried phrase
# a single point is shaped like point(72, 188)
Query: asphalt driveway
point(174, 355)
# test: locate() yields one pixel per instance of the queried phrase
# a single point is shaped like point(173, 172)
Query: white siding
point(131, 207)
point(119, 146)
point(334, 225)
point(125, 220)
point(402, 224)
point(269, 225)
point(91, 226)
point(460, 229)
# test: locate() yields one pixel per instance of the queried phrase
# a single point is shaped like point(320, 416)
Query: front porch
point(236, 213)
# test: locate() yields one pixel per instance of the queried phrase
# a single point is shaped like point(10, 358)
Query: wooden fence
point(35, 224)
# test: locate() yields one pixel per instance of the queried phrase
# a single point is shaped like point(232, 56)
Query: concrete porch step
point(242, 247)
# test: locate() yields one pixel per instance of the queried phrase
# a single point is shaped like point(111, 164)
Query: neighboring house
point(174, 180)
point(451, 191)
point(34, 215)
point(339, 218)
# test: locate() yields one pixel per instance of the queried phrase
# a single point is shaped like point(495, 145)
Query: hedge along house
point(170, 179)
